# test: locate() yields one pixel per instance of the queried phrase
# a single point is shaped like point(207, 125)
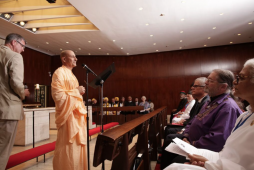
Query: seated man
point(130, 103)
point(213, 124)
point(199, 94)
point(136, 101)
point(181, 116)
point(181, 105)
point(106, 104)
point(113, 104)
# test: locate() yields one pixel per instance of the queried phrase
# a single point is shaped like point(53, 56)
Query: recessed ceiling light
point(114, 40)
point(154, 43)
point(180, 47)
point(89, 54)
point(79, 48)
point(61, 49)
point(7, 16)
point(151, 35)
point(34, 29)
point(107, 53)
point(209, 38)
point(231, 42)
point(147, 24)
point(238, 34)
point(221, 14)
point(205, 45)
point(99, 48)
point(250, 23)
point(183, 2)
point(47, 42)
point(121, 47)
point(157, 50)
point(181, 40)
point(22, 23)
point(214, 28)
point(181, 31)
point(140, 8)
point(127, 53)
point(67, 42)
point(182, 19)
point(162, 15)
point(89, 41)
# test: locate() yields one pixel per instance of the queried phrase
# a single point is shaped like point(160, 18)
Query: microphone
point(87, 68)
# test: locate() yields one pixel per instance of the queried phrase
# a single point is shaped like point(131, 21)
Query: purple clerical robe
point(213, 124)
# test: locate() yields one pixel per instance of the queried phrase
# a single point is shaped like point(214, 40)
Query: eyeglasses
point(195, 86)
point(23, 46)
point(241, 77)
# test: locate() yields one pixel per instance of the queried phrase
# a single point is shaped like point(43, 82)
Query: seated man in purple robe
point(210, 128)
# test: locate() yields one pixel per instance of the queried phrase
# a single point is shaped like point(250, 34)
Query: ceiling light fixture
point(147, 24)
point(231, 42)
point(250, 23)
point(67, 42)
point(181, 31)
point(221, 14)
point(114, 40)
point(47, 42)
point(181, 40)
point(79, 48)
point(180, 47)
point(151, 35)
point(6, 16)
point(182, 19)
point(89, 54)
point(99, 48)
point(89, 41)
point(157, 50)
point(154, 43)
point(22, 23)
point(140, 8)
point(214, 28)
point(209, 38)
point(107, 53)
point(34, 29)
point(121, 47)
point(127, 53)
point(238, 34)
point(162, 15)
point(61, 49)
point(204, 45)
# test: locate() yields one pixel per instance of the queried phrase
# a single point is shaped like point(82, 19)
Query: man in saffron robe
point(70, 152)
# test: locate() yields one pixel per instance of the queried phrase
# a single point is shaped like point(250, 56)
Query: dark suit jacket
point(195, 109)
point(130, 103)
point(11, 84)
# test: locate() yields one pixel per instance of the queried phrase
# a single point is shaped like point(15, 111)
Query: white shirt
point(186, 113)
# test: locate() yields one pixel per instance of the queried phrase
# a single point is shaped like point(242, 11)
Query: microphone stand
point(88, 70)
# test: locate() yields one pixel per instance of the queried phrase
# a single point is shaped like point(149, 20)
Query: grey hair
point(250, 63)
point(143, 97)
point(201, 80)
point(225, 76)
point(13, 36)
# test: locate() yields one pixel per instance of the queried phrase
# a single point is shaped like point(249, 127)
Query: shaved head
point(68, 59)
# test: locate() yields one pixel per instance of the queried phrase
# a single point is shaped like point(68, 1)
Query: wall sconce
point(49, 74)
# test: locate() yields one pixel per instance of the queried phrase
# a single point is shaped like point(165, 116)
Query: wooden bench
point(29, 154)
point(113, 144)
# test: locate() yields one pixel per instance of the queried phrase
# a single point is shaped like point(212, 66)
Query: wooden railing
point(113, 144)
point(121, 119)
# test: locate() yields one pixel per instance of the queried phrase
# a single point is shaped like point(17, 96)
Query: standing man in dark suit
point(12, 93)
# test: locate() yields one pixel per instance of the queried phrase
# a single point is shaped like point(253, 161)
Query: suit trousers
point(8, 129)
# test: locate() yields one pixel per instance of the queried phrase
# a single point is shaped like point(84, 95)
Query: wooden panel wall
point(160, 76)
point(36, 68)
